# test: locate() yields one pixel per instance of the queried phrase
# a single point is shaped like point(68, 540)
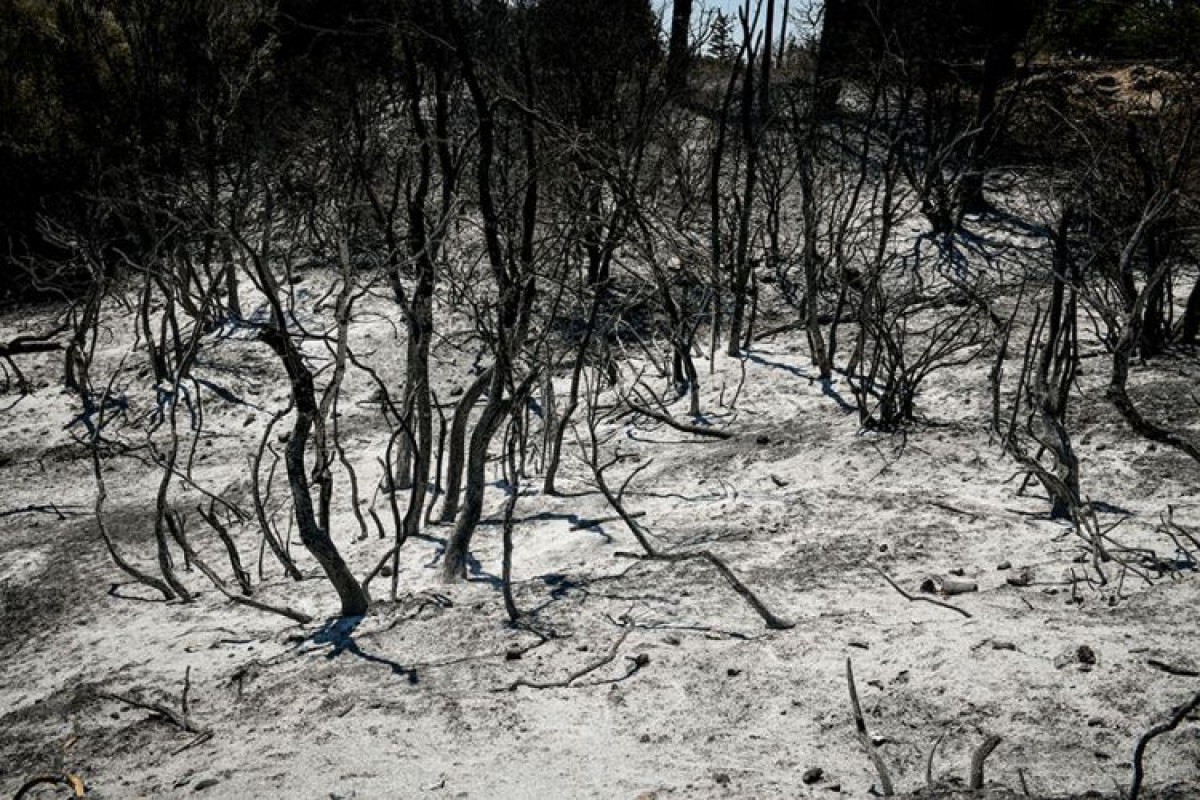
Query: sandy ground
point(700, 700)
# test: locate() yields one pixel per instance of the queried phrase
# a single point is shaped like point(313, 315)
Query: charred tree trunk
point(457, 454)
point(679, 52)
point(315, 538)
point(740, 278)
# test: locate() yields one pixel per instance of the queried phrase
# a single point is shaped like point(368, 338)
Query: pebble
point(813, 775)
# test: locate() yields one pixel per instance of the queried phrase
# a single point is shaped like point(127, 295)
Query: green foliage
point(721, 41)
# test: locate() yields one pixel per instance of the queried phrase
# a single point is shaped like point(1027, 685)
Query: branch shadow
point(339, 634)
point(114, 590)
point(578, 523)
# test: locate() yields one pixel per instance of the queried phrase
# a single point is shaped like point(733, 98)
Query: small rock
point(1003, 565)
point(644, 738)
point(1095, 722)
point(958, 572)
point(762, 438)
point(733, 672)
point(640, 660)
point(722, 779)
point(385, 571)
point(859, 643)
point(1083, 656)
point(778, 481)
point(513, 654)
point(283, 436)
point(249, 420)
point(813, 775)
point(207, 783)
point(672, 639)
point(834, 787)
point(1003, 646)
point(1022, 577)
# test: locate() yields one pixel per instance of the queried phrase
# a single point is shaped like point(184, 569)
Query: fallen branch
point(773, 622)
point(1171, 669)
point(666, 419)
point(49, 508)
point(651, 554)
point(608, 658)
point(1139, 749)
point(28, 344)
point(65, 779)
point(914, 598)
point(584, 524)
point(860, 726)
point(180, 719)
point(283, 611)
point(954, 509)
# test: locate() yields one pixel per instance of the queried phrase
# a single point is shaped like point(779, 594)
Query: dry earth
point(700, 700)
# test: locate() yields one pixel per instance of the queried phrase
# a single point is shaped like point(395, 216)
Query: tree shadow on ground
point(339, 634)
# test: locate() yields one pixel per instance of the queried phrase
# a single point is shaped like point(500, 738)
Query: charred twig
point(180, 719)
point(860, 726)
point(383, 562)
point(235, 560)
point(584, 524)
point(653, 554)
point(975, 779)
point(1139, 749)
point(914, 598)
point(223, 588)
point(608, 658)
point(773, 622)
point(1171, 669)
point(929, 763)
point(48, 508)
